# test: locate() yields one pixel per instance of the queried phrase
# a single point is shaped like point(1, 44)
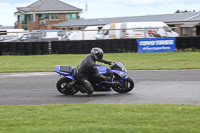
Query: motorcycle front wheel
point(63, 86)
point(127, 86)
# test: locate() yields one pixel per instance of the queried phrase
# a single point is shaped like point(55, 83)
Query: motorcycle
point(121, 83)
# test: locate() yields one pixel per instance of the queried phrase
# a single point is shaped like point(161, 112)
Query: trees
point(184, 11)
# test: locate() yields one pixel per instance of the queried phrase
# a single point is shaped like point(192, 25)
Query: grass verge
point(132, 61)
point(99, 118)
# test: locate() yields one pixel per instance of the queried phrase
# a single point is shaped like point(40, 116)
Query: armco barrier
point(28, 48)
point(36, 48)
point(198, 43)
point(187, 42)
point(84, 46)
point(24, 48)
point(44, 47)
point(20, 48)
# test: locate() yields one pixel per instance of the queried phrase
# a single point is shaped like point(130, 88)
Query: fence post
point(83, 34)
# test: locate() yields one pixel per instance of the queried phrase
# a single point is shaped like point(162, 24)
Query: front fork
point(119, 80)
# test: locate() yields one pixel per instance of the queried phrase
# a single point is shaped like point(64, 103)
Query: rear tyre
point(128, 85)
point(63, 86)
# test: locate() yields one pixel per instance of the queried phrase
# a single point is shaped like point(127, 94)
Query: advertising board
point(156, 45)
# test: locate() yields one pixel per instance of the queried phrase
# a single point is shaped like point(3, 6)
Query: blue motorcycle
point(121, 83)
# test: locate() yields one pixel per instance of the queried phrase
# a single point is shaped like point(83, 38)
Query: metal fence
point(96, 34)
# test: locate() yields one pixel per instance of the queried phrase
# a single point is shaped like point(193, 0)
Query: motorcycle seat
point(67, 69)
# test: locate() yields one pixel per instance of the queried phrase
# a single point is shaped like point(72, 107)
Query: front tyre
point(127, 86)
point(63, 86)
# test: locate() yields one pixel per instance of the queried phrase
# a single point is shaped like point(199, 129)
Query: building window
point(54, 16)
point(23, 19)
point(43, 16)
point(71, 16)
point(185, 31)
point(31, 18)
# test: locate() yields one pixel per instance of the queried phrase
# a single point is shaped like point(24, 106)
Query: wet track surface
point(151, 87)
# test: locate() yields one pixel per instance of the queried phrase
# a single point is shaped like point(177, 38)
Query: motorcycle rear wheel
point(128, 85)
point(62, 86)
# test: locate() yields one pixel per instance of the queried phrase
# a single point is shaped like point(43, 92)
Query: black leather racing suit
point(85, 68)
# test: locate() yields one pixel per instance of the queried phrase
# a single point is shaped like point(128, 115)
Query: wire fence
point(93, 34)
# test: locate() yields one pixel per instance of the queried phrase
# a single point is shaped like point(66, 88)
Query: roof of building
point(167, 18)
point(48, 5)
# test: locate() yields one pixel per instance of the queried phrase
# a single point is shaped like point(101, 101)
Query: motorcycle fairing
point(102, 69)
point(99, 87)
point(120, 73)
point(121, 66)
point(68, 75)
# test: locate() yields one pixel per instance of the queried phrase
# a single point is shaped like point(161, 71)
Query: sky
point(105, 8)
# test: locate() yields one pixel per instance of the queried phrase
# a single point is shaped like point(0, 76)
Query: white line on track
point(4, 75)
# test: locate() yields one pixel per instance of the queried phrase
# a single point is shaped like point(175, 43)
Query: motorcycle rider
point(88, 66)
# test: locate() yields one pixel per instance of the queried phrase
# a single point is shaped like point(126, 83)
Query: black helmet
point(97, 53)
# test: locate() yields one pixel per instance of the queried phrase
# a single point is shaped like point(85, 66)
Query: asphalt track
point(151, 87)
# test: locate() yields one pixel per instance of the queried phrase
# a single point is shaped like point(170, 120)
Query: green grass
point(132, 61)
point(99, 118)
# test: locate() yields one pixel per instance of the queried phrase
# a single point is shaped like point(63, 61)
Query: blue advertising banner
point(156, 45)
